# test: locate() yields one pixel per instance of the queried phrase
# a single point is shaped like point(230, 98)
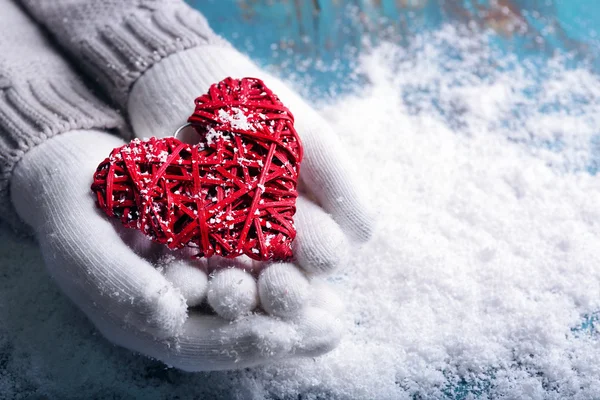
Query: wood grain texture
point(317, 40)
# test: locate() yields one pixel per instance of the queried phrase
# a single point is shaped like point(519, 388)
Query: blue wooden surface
point(318, 41)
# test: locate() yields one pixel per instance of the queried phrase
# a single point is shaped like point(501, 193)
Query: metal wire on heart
point(232, 193)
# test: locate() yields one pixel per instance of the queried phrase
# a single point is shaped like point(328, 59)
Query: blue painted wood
point(319, 39)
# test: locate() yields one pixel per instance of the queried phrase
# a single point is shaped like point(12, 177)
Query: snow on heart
point(232, 193)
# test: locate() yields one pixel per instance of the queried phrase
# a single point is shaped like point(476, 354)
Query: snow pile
point(486, 257)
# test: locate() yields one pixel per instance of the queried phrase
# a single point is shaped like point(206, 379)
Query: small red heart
point(233, 193)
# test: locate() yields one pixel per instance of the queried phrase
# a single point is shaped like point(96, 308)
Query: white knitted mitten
point(130, 301)
point(162, 100)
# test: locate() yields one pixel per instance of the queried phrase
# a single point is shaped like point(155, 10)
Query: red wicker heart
point(233, 193)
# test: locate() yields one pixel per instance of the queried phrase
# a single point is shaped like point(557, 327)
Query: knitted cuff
point(119, 53)
point(34, 111)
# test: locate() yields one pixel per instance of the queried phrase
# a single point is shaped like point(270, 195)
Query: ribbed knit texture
point(40, 97)
point(115, 41)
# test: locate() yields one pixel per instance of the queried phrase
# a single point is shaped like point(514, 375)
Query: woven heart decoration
point(232, 193)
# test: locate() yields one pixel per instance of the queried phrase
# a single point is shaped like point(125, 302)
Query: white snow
point(486, 255)
point(237, 118)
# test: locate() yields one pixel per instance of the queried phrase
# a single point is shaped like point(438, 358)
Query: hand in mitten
point(128, 299)
point(134, 51)
point(329, 212)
